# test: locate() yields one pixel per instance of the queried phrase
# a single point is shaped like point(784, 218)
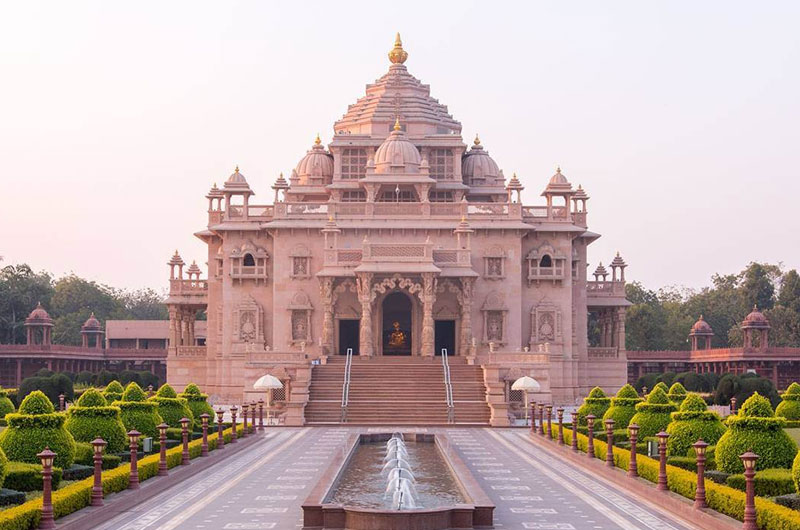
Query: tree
point(74, 299)
point(20, 290)
point(789, 296)
point(144, 304)
point(758, 286)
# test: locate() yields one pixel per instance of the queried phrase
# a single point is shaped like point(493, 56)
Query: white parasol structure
point(267, 382)
point(526, 384)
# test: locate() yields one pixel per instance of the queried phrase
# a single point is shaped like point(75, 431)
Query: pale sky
point(680, 119)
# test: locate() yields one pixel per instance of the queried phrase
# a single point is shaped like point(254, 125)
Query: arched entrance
point(396, 324)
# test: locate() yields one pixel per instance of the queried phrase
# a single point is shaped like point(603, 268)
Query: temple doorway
point(445, 336)
point(396, 325)
point(348, 335)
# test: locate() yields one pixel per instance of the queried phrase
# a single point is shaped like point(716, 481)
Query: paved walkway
point(264, 487)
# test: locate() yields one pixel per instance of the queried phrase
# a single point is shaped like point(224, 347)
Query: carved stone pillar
point(466, 315)
point(364, 284)
point(621, 328)
point(428, 299)
point(326, 293)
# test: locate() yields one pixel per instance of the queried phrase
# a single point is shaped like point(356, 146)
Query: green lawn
point(795, 434)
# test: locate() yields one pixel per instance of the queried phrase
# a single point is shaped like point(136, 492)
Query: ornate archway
point(397, 324)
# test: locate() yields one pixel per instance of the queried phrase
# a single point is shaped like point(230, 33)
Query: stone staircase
point(396, 390)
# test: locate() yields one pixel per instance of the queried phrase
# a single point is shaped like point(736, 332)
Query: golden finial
point(463, 218)
point(237, 169)
point(330, 218)
point(477, 140)
point(317, 141)
point(558, 168)
point(397, 122)
point(398, 55)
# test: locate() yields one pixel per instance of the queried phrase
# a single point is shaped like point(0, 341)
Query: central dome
point(397, 154)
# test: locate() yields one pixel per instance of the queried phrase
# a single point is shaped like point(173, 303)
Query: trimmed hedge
point(11, 497)
point(78, 495)
point(796, 472)
point(767, 482)
point(172, 408)
point(790, 501)
point(6, 405)
point(78, 472)
point(596, 403)
point(138, 413)
point(35, 427)
point(28, 477)
point(623, 407)
point(198, 403)
point(653, 416)
point(677, 393)
point(693, 422)
point(789, 408)
point(113, 392)
point(755, 428)
point(91, 418)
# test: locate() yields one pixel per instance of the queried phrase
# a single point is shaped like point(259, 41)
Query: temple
point(398, 242)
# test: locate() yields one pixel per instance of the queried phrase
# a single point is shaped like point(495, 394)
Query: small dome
point(581, 193)
point(91, 323)
point(280, 183)
point(477, 164)
point(175, 259)
point(317, 163)
point(701, 327)
point(600, 270)
point(558, 183)
point(193, 269)
point(397, 152)
point(755, 319)
point(236, 181)
point(618, 261)
point(39, 316)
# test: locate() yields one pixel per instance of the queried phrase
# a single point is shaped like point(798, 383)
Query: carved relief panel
point(248, 322)
point(494, 319)
point(300, 315)
point(546, 324)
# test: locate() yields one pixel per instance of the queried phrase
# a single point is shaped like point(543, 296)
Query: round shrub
point(676, 394)
point(172, 408)
point(796, 473)
point(35, 427)
point(653, 415)
point(197, 402)
point(623, 406)
point(755, 428)
point(691, 423)
point(137, 412)
point(789, 408)
point(3, 466)
point(595, 403)
point(6, 405)
point(91, 417)
point(662, 385)
point(113, 391)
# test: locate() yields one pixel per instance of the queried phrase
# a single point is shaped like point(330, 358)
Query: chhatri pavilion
point(399, 242)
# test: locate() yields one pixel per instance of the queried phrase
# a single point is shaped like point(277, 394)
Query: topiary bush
point(137, 412)
point(3, 466)
point(197, 402)
point(172, 408)
point(595, 403)
point(653, 415)
point(113, 392)
point(789, 408)
point(91, 417)
point(796, 472)
point(623, 407)
point(6, 405)
point(691, 423)
point(677, 393)
point(662, 385)
point(755, 428)
point(35, 427)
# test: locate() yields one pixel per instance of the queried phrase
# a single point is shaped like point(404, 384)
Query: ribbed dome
point(91, 323)
point(397, 154)
point(477, 164)
point(755, 319)
point(701, 327)
point(236, 177)
point(39, 316)
point(317, 163)
point(558, 183)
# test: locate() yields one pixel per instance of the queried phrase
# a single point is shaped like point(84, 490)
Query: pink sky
point(679, 118)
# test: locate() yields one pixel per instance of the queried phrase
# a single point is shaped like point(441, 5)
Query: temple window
point(301, 258)
point(354, 196)
point(494, 319)
point(248, 263)
point(354, 162)
point(441, 196)
point(494, 263)
point(545, 263)
point(249, 260)
point(441, 164)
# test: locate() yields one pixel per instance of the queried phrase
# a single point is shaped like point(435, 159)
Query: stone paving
point(264, 487)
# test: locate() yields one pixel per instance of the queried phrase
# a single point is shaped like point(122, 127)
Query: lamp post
point(574, 444)
point(220, 437)
point(700, 492)
point(98, 446)
point(47, 456)
point(61, 402)
point(749, 461)
point(733, 405)
point(252, 417)
point(541, 419)
point(644, 391)
point(533, 416)
point(185, 460)
point(150, 391)
point(204, 448)
point(162, 450)
point(609, 442)
point(261, 415)
point(244, 419)
point(560, 414)
point(549, 409)
point(234, 436)
point(633, 433)
point(662, 461)
point(133, 438)
point(590, 448)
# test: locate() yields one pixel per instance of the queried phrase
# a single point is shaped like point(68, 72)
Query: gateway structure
point(399, 242)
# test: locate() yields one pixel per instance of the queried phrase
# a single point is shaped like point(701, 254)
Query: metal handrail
point(448, 387)
point(346, 383)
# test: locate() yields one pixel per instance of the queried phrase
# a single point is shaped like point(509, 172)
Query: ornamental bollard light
point(163, 471)
point(61, 402)
point(700, 491)
point(185, 460)
point(261, 415)
point(234, 436)
point(749, 461)
point(533, 417)
point(245, 406)
point(150, 391)
point(133, 438)
point(574, 414)
point(220, 437)
point(98, 446)
point(609, 442)
point(633, 433)
point(644, 391)
point(252, 417)
point(662, 461)
point(590, 448)
point(549, 409)
point(733, 405)
point(47, 456)
point(204, 448)
point(541, 419)
point(560, 414)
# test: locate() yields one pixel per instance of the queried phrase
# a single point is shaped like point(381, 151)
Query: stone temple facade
point(397, 239)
